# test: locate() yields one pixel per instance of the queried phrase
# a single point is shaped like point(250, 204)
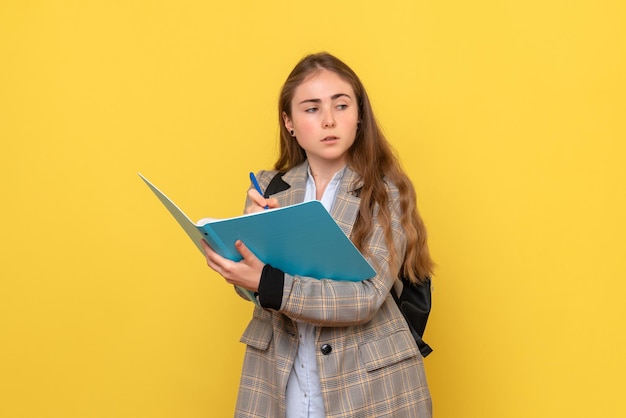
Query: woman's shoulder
point(393, 190)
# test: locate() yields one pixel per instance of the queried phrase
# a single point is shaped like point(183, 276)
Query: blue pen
point(255, 183)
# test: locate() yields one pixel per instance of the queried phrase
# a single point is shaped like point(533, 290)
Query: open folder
point(302, 240)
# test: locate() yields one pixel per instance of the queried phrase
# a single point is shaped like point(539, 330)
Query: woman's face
point(324, 118)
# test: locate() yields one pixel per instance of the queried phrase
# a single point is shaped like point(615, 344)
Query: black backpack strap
point(415, 303)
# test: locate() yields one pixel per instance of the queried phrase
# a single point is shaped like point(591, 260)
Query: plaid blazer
point(368, 362)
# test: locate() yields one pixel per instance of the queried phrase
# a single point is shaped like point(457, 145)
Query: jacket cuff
point(271, 287)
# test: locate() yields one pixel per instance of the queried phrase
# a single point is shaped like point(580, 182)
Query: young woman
point(325, 348)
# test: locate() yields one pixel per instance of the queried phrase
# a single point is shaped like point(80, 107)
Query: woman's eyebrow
point(333, 97)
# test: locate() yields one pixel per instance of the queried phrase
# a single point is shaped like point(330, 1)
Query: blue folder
point(302, 239)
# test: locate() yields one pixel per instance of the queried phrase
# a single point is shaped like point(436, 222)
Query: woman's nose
point(329, 120)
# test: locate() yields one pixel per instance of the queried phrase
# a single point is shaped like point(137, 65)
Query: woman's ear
point(287, 121)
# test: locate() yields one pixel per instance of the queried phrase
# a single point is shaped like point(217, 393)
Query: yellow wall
point(509, 117)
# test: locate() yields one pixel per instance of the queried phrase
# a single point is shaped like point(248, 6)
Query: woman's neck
point(323, 174)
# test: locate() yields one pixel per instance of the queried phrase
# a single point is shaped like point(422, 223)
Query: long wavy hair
point(372, 157)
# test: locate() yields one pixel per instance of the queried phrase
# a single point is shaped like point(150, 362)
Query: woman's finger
point(259, 202)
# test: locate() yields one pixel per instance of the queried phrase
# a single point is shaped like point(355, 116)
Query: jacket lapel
point(296, 186)
point(346, 206)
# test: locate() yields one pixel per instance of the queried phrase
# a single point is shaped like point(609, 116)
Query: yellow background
point(508, 116)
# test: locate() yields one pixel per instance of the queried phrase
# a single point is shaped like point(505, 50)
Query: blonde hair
point(372, 158)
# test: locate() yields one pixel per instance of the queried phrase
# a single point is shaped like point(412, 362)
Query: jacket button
point(326, 349)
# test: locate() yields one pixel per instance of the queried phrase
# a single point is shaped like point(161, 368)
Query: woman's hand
point(260, 203)
point(245, 273)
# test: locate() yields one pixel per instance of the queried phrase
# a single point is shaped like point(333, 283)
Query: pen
point(256, 185)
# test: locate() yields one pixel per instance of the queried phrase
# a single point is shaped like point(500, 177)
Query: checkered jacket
point(368, 362)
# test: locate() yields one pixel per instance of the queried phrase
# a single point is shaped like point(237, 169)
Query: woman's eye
point(311, 110)
point(342, 106)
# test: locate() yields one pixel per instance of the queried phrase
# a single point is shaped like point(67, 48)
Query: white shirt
point(304, 391)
